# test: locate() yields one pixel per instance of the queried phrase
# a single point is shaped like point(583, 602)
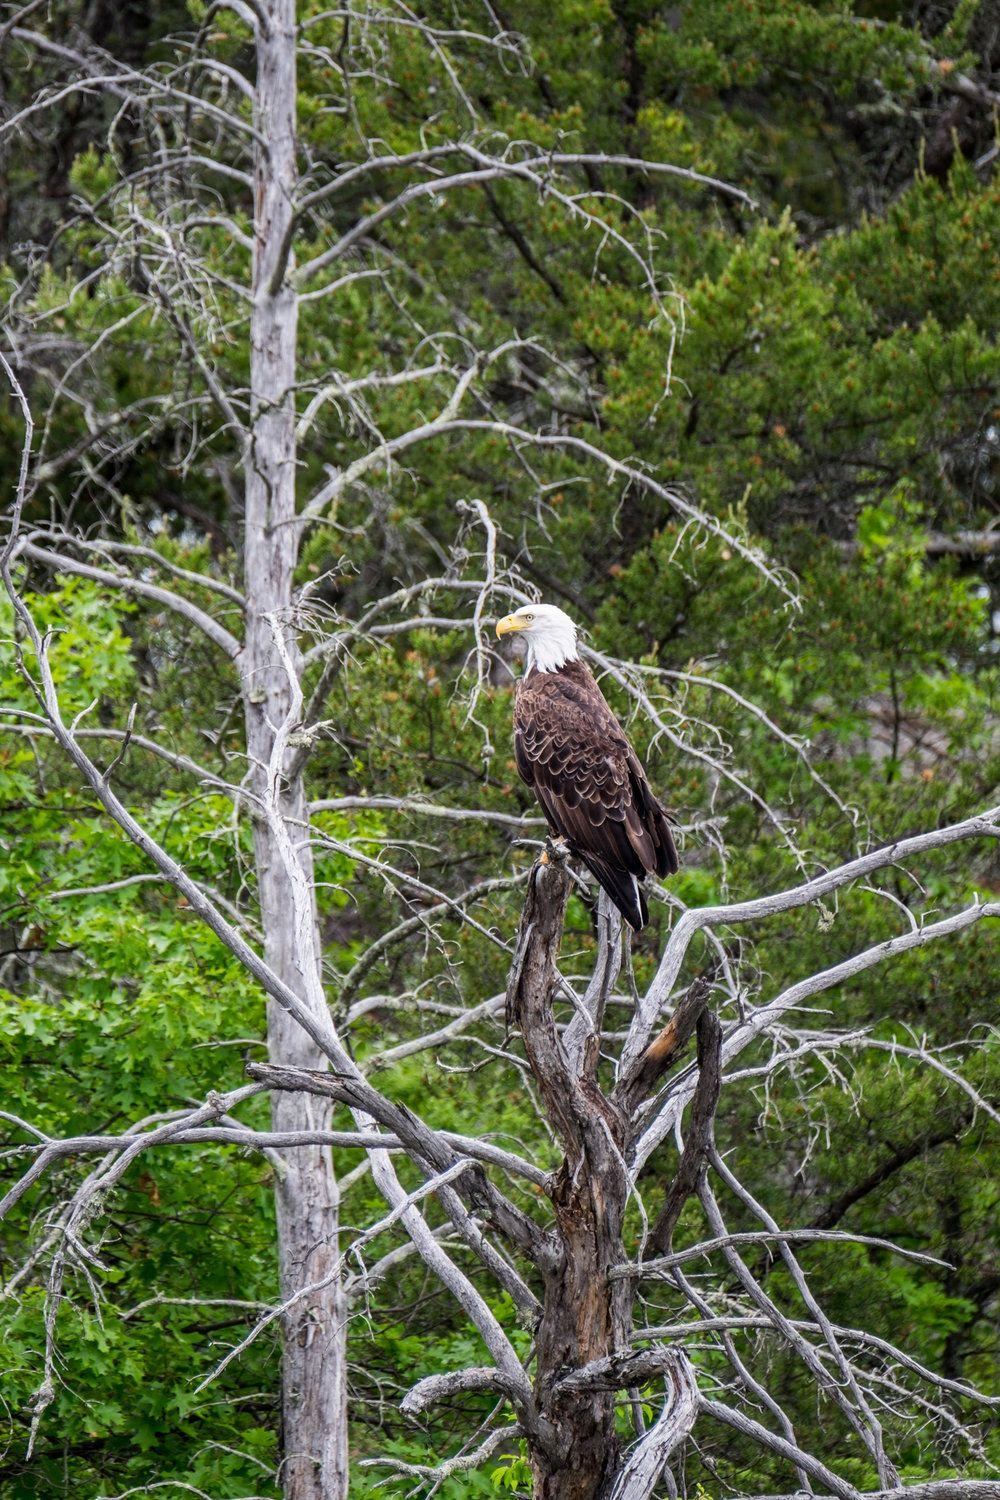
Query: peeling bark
point(661, 1054)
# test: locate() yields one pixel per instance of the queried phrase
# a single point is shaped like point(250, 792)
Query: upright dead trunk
point(583, 1343)
point(586, 1315)
point(314, 1408)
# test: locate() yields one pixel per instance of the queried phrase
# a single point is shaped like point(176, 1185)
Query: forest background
point(820, 373)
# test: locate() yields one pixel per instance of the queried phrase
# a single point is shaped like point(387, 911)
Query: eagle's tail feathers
point(623, 888)
point(643, 903)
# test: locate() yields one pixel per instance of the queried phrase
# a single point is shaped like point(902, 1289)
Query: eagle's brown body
point(573, 752)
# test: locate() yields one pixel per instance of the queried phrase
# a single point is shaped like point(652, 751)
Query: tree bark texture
point(586, 1315)
point(314, 1398)
point(586, 1311)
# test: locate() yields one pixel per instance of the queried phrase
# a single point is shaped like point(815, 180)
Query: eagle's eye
point(527, 619)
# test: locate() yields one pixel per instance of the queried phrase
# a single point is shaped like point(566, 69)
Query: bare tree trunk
point(586, 1317)
point(314, 1405)
point(586, 1314)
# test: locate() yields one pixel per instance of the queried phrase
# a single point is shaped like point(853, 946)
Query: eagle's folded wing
point(572, 750)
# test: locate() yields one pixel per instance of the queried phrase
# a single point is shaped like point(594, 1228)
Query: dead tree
point(574, 1271)
point(202, 119)
point(573, 1268)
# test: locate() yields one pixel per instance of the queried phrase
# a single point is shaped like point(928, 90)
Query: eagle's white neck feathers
point(551, 651)
point(550, 638)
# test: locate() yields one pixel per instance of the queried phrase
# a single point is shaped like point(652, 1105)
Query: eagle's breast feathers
point(572, 751)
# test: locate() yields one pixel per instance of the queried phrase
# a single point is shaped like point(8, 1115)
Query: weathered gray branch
point(646, 1461)
point(699, 1139)
point(61, 563)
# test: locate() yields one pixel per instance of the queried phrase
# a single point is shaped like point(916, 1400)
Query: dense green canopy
point(821, 374)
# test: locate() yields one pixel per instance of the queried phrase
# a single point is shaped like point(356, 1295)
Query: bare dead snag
point(586, 1315)
point(583, 1316)
point(314, 1361)
point(663, 1051)
point(698, 1144)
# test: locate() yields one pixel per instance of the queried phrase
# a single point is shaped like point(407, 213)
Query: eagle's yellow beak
point(510, 625)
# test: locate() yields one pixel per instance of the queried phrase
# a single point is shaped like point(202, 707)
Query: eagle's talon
point(555, 851)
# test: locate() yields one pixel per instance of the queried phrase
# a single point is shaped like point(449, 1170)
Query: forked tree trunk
point(314, 1407)
point(586, 1315)
point(586, 1311)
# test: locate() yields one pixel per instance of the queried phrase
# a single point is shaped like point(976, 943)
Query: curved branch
point(59, 562)
point(422, 809)
point(781, 1446)
point(985, 824)
point(745, 1032)
point(638, 1476)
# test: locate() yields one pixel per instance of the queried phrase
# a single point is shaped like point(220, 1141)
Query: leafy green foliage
point(826, 379)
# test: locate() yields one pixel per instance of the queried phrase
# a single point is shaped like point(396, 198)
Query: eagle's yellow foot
point(555, 852)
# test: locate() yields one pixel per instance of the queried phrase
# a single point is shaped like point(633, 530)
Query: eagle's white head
point(549, 634)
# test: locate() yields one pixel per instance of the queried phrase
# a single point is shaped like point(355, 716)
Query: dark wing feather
point(571, 749)
point(653, 818)
point(624, 889)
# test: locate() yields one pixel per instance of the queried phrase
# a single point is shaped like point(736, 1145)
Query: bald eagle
point(574, 754)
